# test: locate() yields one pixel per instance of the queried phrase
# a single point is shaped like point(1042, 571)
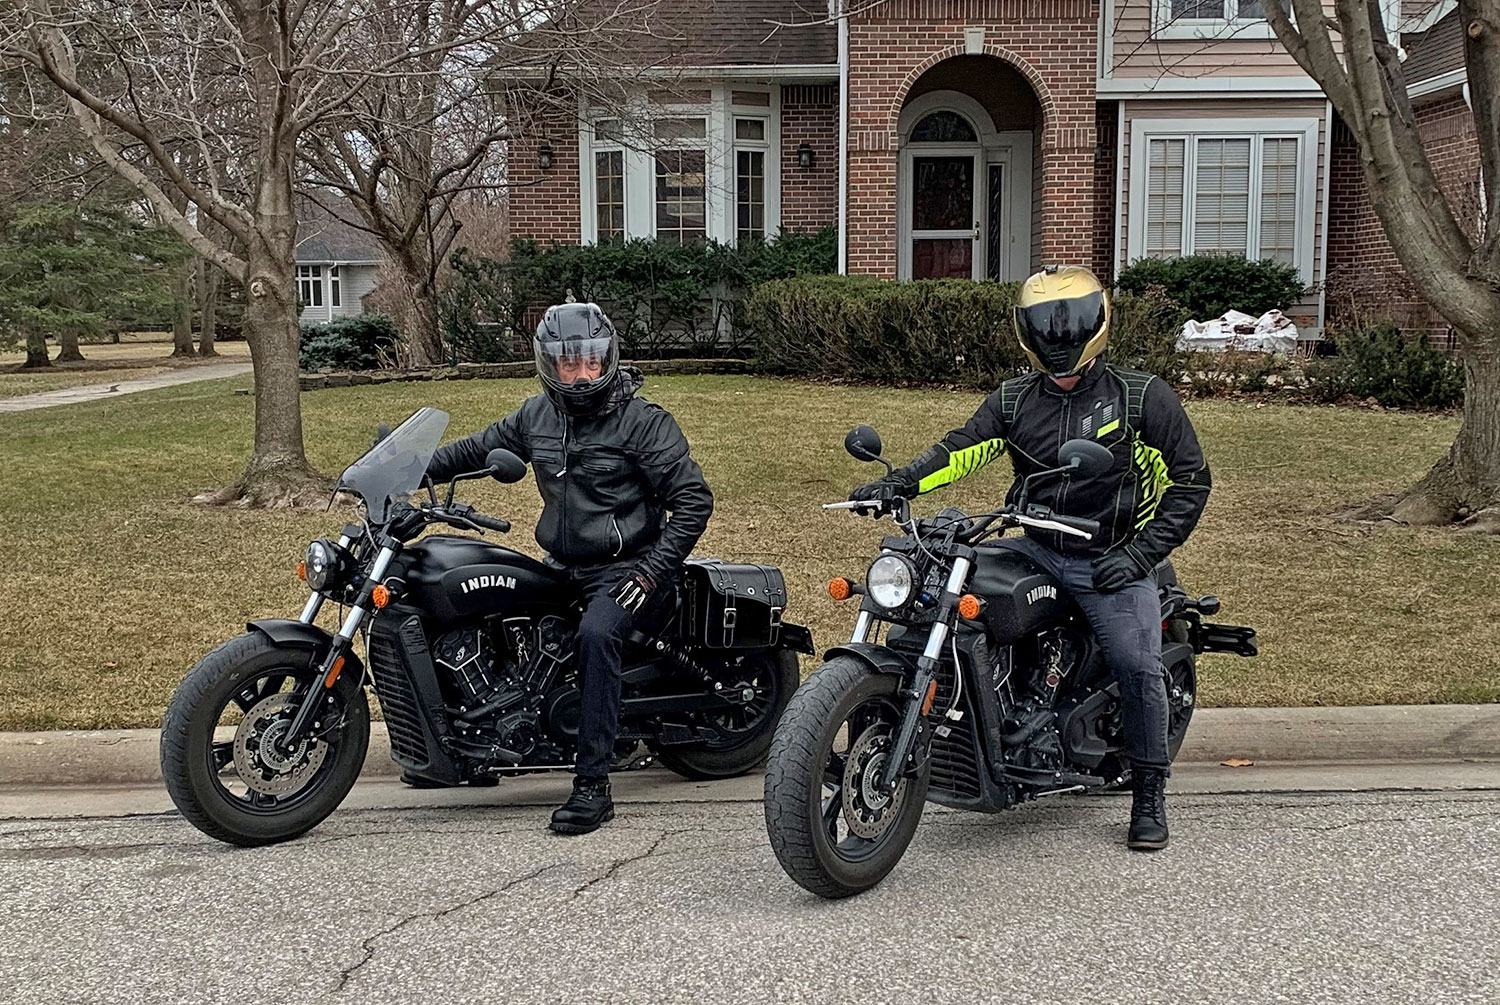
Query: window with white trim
point(334, 299)
point(683, 166)
point(1223, 194)
point(310, 285)
point(1211, 19)
point(609, 180)
point(750, 150)
point(681, 180)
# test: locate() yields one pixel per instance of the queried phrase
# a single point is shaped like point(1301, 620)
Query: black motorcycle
point(987, 690)
point(469, 648)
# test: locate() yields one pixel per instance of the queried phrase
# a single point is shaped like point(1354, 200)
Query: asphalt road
point(1367, 896)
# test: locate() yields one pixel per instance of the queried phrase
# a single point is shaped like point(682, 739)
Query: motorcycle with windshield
point(988, 688)
point(469, 647)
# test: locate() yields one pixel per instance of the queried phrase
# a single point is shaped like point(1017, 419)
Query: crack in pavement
point(620, 863)
point(368, 945)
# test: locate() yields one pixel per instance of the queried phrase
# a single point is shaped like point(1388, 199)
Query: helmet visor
point(576, 363)
point(1057, 331)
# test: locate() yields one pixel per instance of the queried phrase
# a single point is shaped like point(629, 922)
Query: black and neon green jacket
point(1149, 500)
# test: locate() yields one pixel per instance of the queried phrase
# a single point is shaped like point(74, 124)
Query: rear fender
point(878, 658)
point(797, 638)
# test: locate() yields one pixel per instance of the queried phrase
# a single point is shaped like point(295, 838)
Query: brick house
point(980, 138)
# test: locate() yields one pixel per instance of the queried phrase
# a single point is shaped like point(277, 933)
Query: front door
point(945, 222)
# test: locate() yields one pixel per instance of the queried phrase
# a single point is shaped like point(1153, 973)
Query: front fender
point(286, 632)
point(881, 659)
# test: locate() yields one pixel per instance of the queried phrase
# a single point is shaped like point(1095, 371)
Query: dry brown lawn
point(115, 585)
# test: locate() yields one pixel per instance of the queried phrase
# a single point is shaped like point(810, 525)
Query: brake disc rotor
point(866, 809)
point(261, 766)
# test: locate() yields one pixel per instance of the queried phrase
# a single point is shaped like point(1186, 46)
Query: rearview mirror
point(863, 444)
point(1085, 457)
point(505, 466)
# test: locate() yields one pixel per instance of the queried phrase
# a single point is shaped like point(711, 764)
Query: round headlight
point(890, 580)
point(322, 563)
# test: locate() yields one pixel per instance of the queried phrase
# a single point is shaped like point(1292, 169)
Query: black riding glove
point(1119, 569)
point(631, 592)
point(893, 486)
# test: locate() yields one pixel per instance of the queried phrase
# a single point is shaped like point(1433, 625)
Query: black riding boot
point(1148, 810)
point(587, 808)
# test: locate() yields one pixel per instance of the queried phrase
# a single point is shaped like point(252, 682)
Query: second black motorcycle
point(469, 647)
point(971, 680)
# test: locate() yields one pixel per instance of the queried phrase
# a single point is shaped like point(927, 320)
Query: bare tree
point(241, 83)
point(412, 148)
point(1456, 269)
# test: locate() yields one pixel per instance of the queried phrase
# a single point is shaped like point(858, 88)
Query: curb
point(1287, 735)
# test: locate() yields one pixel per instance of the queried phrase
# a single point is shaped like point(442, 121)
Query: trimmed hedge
point(949, 331)
point(352, 343)
point(1208, 285)
point(664, 299)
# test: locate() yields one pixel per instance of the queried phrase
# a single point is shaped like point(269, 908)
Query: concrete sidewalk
point(1282, 735)
point(108, 389)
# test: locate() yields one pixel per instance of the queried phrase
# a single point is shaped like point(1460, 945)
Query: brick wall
point(544, 204)
point(1050, 42)
point(1105, 196)
point(1364, 275)
point(810, 197)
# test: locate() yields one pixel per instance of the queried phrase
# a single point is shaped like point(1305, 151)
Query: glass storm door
point(945, 226)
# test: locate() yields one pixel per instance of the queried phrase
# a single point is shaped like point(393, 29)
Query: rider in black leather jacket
point(610, 466)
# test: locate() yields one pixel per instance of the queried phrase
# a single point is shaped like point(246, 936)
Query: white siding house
point(336, 264)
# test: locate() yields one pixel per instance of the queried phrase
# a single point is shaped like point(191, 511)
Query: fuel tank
point(455, 578)
point(1020, 597)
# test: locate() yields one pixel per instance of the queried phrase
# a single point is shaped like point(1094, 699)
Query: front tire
point(252, 679)
point(781, 674)
point(832, 834)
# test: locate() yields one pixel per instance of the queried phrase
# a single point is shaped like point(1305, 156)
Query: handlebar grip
point(490, 522)
point(1090, 527)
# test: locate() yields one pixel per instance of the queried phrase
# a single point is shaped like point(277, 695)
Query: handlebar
point(1044, 520)
point(491, 522)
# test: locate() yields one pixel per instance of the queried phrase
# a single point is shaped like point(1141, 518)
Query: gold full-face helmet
point(1062, 319)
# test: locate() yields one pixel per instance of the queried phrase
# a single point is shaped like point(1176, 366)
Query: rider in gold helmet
point(1146, 503)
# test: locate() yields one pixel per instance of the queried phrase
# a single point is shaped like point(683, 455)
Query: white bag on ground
point(1272, 332)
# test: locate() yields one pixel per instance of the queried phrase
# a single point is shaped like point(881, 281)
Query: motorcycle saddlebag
point(732, 606)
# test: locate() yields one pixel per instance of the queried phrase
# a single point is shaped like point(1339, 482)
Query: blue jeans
point(1127, 625)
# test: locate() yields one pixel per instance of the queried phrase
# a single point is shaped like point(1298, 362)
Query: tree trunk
point(209, 281)
point(278, 473)
point(68, 340)
point(1465, 484)
point(36, 351)
point(422, 336)
point(182, 316)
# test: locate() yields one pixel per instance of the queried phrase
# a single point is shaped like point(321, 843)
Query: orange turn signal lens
point(333, 672)
point(931, 694)
point(380, 596)
point(302, 571)
point(840, 588)
point(969, 606)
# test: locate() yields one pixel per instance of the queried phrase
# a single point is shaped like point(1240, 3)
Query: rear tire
point(188, 743)
point(709, 764)
point(801, 819)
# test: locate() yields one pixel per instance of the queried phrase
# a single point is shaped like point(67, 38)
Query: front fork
point(919, 697)
point(333, 660)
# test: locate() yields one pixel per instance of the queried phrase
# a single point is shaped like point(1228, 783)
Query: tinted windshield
point(394, 467)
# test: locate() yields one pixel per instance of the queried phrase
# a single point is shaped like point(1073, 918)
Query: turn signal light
point(302, 571)
point(840, 588)
point(969, 606)
point(380, 596)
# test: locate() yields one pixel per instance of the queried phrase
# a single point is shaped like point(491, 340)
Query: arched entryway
point(969, 173)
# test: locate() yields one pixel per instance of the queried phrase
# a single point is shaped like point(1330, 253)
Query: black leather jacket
point(1147, 503)
point(607, 480)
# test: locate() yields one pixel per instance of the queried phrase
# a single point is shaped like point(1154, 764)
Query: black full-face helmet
point(577, 357)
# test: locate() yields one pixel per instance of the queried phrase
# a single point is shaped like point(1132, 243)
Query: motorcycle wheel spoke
point(223, 755)
point(262, 800)
point(833, 772)
point(833, 808)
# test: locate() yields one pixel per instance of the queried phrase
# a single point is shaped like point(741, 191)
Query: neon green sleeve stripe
point(962, 462)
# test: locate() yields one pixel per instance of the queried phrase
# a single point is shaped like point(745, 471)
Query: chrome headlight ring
point(891, 581)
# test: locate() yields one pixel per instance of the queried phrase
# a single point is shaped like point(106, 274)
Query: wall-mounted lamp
point(544, 156)
point(805, 156)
